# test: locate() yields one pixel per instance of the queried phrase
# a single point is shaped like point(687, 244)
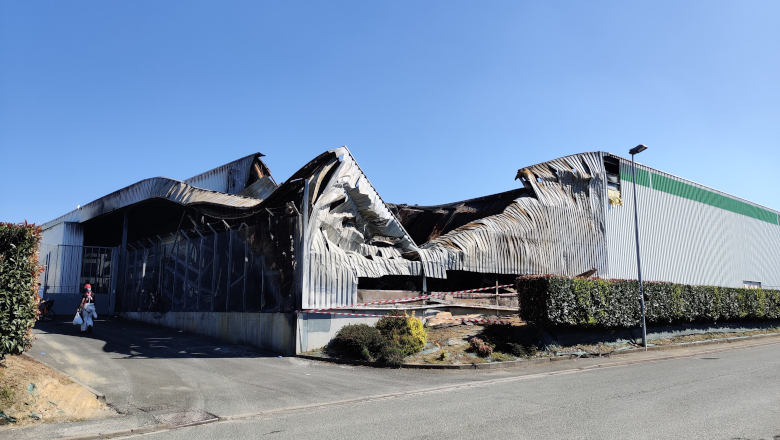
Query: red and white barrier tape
point(485, 295)
point(364, 315)
point(414, 298)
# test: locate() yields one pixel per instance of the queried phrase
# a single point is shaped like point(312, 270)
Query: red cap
point(87, 286)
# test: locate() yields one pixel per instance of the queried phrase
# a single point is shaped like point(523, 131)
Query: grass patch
point(6, 397)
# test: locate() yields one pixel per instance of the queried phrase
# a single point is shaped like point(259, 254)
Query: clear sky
point(438, 101)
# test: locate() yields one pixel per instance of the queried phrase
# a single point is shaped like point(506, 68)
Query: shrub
point(393, 355)
point(406, 332)
point(480, 348)
point(359, 341)
point(520, 350)
point(517, 341)
point(553, 300)
point(19, 270)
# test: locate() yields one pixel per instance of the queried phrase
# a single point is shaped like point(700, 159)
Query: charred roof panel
point(233, 177)
point(157, 187)
point(425, 223)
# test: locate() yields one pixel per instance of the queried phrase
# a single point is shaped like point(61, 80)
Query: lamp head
point(638, 149)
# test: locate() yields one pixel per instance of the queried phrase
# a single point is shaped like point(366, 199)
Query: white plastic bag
point(77, 320)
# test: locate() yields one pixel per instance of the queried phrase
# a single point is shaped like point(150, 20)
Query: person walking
point(87, 309)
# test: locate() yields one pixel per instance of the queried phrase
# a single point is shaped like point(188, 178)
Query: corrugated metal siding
point(158, 187)
point(230, 178)
point(64, 233)
point(261, 189)
point(691, 234)
point(346, 214)
point(557, 230)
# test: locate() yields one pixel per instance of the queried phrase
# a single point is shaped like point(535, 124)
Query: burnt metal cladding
point(240, 242)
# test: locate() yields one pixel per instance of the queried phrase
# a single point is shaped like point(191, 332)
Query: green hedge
point(19, 270)
point(554, 300)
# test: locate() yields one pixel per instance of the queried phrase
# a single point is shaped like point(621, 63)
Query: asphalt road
point(713, 392)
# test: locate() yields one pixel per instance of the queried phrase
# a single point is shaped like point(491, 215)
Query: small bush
point(393, 355)
point(405, 332)
point(520, 350)
point(480, 348)
point(359, 341)
point(516, 341)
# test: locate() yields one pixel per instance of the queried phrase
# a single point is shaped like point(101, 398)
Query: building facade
point(230, 253)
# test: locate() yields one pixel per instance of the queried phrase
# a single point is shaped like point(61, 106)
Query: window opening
point(612, 168)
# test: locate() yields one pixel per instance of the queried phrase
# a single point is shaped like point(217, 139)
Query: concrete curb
point(98, 395)
point(520, 363)
point(121, 433)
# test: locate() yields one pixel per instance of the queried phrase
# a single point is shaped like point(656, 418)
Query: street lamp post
point(636, 150)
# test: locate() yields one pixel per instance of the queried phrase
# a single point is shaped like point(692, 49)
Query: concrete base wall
point(316, 330)
point(270, 331)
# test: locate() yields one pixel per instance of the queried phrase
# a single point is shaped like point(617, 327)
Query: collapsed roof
point(348, 232)
point(549, 226)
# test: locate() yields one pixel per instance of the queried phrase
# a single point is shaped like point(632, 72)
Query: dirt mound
point(31, 393)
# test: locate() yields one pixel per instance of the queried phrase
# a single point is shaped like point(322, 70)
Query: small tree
point(19, 270)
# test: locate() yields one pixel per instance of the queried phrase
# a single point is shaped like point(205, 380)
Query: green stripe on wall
point(690, 192)
point(642, 176)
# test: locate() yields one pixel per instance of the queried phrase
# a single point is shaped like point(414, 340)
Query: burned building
point(230, 253)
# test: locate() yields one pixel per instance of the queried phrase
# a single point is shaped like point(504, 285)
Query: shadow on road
point(139, 340)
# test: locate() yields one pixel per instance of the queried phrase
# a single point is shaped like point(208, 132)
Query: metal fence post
point(246, 262)
point(185, 285)
point(229, 268)
point(201, 262)
point(213, 270)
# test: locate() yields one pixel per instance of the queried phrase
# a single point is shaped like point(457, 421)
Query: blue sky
point(438, 101)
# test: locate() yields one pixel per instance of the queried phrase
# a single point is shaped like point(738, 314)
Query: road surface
point(718, 391)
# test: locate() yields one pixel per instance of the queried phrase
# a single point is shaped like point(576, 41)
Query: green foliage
point(393, 355)
point(6, 396)
point(19, 270)
point(359, 341)
point(553, 300)
point(393, 339)
point(406, 332)
point(510, 339)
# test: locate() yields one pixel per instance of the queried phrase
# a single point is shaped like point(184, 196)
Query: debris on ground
point(452, 341)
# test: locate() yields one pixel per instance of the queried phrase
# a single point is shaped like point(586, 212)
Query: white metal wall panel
point(691, 242)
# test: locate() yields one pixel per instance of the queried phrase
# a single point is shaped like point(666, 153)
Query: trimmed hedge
point(19, 270)
point(554, 300)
